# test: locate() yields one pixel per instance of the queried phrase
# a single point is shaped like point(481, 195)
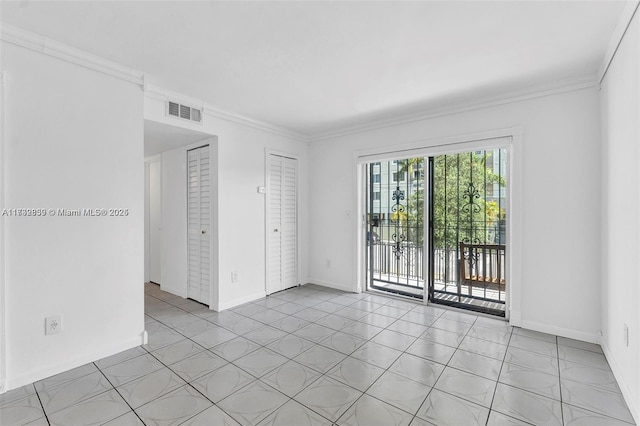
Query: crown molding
point(461, 107)
point(38, 43)
point(624, 21)
point(35, 42)
point(155, 92)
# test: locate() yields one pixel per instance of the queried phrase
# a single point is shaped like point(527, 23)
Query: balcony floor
point(414, 287)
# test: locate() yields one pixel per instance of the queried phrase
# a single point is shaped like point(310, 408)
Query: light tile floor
point(316, 356)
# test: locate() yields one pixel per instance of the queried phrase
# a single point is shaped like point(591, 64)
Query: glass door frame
point(509, 139)
point(476, 231)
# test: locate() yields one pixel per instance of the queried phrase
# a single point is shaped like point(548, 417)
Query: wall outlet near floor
point(234, 276)
point(52, 325)
point(626, 335)
point(327, 263)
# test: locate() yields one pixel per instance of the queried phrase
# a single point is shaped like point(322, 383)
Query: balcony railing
point(484, 277)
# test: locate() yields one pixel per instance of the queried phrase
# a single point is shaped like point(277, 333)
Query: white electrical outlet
point(626, 335)
point(52, 324)
point(234, 276)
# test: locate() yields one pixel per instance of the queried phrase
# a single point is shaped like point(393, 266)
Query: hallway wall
point(620, 290)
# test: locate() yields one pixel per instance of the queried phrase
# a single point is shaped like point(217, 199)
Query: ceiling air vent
point(186, 112)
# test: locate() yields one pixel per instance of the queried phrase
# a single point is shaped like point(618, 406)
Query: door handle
point(203, 232)
point(275, 230)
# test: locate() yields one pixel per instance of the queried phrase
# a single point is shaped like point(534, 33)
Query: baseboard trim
point(68, 364)
point(336, 286)
point(630, 398)
point(180, 292)
point(560, 331)
point(242, 300)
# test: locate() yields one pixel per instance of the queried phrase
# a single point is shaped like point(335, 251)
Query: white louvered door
point(282, 230)
point(199, 220)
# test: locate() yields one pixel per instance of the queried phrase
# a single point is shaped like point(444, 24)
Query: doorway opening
point(436, 228)
point(180, 211)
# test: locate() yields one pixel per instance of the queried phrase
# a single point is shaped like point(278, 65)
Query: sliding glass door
point(460, 255)
point(395, 234)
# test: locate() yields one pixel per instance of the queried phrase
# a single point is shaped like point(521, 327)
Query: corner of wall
point(48, 370)
point(335, 286)
point(619, 373)
point(240, 301)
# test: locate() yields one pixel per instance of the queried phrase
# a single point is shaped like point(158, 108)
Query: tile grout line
point(46, 417)
point(445, 365)
point(325, 374)
point(188, 383)
point(232, 363)
point(68, 382)
point(474, 374)
point(499, 373)
point(385, 370)
point(559, 381)
point(114, 388)
point(322, 374)
point(440, 316)
point(168, 367)
point(322, 342)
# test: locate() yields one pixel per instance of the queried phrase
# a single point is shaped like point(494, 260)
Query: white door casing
point(155, 222)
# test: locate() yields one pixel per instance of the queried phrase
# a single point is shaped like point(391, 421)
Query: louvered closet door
point(199, 220)
point(283, 216)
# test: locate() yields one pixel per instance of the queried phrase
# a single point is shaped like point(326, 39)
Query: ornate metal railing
point(408, 268)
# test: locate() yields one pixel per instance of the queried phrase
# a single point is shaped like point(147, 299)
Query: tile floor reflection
point(316, 356)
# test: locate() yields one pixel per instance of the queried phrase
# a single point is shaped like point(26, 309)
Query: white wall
point(560, 203)
point(620, 104)
point(241, 209)
point(73, 139)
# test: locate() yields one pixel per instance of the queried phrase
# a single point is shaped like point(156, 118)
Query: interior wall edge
point(585, 336)
point(336, 286)
point(632, 399)
point(240, 301)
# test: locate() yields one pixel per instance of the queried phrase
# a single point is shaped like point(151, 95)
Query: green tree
point(461, 212)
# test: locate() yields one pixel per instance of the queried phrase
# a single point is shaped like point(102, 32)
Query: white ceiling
point(316, 67)
point(160, 137)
